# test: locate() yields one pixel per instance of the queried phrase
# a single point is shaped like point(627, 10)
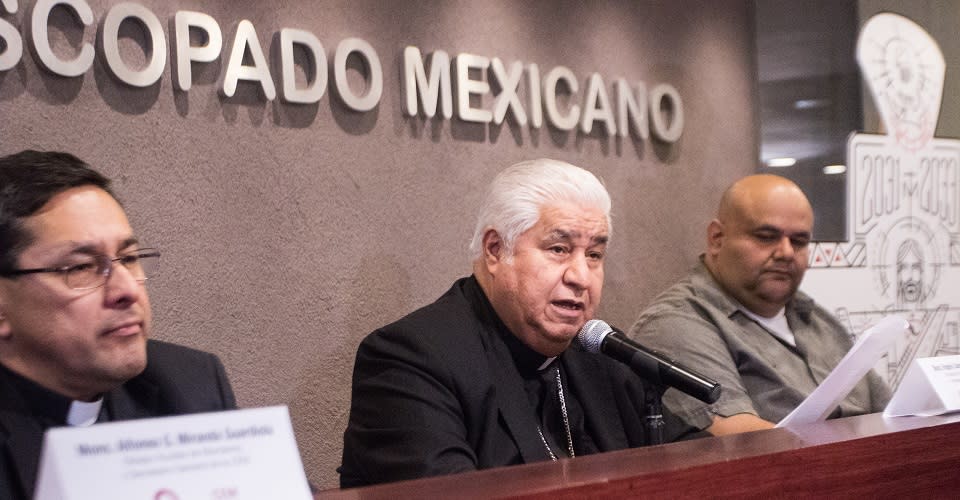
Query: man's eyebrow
point(93, 249)
point(85, 249)
point(564, 235)
point(561, 235)
point(129, 242)
point(775, 229)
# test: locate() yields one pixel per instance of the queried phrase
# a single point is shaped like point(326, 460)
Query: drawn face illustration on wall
point(910, 273)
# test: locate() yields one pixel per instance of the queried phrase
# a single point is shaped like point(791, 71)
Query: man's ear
point(714, 236)
point(493, 250)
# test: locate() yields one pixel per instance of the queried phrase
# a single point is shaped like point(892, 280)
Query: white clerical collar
point(83, 414)
point(777, 325)
point(546, 363)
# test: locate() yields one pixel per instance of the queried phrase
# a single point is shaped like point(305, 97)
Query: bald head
point(757, 245)
point(756, 193)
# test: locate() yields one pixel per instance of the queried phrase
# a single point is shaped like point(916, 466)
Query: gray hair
point(518, 193)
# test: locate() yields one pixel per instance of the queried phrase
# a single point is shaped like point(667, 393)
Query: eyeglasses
point(142, 264)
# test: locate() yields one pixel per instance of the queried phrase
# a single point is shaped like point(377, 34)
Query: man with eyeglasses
point(75, 316)
point(739, 318)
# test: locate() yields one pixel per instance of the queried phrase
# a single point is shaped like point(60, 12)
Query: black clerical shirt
point(539, 378)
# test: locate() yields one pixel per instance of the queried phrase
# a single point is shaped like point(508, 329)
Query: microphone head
point(592, 334)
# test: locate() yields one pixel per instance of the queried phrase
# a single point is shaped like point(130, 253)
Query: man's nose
point(577, 271)
point(122, 288)
point(785, 249)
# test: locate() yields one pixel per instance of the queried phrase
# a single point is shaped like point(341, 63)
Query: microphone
point(597, 336)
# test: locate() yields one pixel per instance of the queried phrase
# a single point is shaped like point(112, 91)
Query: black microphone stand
point(654, 407)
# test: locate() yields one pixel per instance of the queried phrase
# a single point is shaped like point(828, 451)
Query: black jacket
point(177, 380)
point(437, 392)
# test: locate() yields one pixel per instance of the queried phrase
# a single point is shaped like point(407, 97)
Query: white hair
point(518, 193)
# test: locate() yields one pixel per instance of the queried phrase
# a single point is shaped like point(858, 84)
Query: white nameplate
point(240, 454)
point(930, 387)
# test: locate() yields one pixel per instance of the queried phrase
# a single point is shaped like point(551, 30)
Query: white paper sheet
point(870, 347)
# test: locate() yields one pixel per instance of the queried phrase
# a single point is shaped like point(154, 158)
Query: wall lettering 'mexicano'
point(423, 93)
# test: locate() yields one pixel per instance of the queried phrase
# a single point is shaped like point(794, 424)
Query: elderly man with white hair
point(489, 375)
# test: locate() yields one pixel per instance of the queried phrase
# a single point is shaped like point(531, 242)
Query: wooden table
point(865, 456)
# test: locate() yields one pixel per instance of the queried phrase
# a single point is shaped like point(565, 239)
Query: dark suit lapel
point(138, 398)
point(23, 449)
point(25, 439)
point(588, 381)
point(512, 400)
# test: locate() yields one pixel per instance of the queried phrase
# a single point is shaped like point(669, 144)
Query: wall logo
point(903, 204)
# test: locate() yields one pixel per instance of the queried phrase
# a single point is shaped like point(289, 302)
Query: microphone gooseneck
point(597, 336)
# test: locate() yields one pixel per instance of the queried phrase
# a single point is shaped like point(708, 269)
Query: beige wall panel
point(291, 231)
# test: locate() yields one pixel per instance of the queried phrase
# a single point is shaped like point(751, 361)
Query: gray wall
point(289, 232)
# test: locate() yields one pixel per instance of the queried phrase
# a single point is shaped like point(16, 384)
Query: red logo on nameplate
point(165, 494)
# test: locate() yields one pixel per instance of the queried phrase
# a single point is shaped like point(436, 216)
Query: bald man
point(739, 318)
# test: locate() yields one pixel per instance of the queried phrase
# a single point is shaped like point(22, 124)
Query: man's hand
point(735, 424)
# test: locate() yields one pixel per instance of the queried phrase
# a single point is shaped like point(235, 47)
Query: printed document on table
point(869, 348)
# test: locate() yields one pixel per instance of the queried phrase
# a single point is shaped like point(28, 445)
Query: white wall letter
point(660, 128)
point(632, 108)
point(183, 20)
point(550, 98)
point(314, 91)
point(374, 79)
point(8, 32)
point(465, 87)
point(437, 87)
point(597, 106)
point(507, 98)
point(111, 50)
point(246, 38)
point(39, 19)
point(536, 103)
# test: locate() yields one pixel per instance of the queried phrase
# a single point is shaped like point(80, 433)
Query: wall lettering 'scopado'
point(452, 83)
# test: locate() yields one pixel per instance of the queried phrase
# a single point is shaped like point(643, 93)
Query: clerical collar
point(84, 414)
point(528, 361)
point(546, 364)
point(55, 408)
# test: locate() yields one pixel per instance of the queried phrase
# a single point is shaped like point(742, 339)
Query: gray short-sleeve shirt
point(702, 327)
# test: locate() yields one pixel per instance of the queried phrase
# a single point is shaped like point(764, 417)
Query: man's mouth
point(570, 305)
point(124, 329)
point(780, 272)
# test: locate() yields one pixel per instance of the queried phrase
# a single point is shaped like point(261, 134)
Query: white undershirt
point(777, 325)
point(83, 414)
